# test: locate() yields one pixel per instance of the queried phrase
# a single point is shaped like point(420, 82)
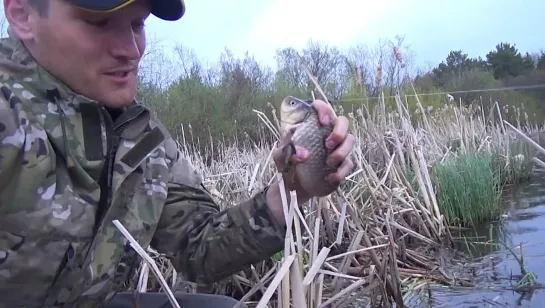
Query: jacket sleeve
point(12, 138)
point(205, 243)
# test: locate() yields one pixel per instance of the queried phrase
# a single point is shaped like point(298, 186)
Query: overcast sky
point(431, 28)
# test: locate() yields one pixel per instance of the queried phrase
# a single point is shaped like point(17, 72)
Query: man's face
point(95, 54)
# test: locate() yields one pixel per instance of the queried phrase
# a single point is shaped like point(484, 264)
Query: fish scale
point(310, 134)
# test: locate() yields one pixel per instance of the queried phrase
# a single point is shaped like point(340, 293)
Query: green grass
point(468, 189)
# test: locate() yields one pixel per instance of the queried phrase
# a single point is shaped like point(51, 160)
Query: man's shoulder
point(16, 69)
point(171, 147)
point(181, 169)
point(15, 61)
point(22, 81)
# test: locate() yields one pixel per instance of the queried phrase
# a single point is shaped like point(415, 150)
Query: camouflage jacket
point(58, 245)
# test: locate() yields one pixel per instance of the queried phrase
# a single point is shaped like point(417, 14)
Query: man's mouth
point(120, 74)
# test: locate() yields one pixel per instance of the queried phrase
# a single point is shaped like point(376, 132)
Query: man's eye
point(138, 24)
point(97, 23)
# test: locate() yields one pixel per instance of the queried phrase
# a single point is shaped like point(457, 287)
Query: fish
point(300, 126)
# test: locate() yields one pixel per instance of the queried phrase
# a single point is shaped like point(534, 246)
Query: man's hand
point(339, 140)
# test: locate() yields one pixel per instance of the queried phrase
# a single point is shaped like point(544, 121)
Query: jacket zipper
point(105, 181)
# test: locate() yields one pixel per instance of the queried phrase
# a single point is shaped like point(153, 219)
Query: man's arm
point(207, 244)
point(12, 135)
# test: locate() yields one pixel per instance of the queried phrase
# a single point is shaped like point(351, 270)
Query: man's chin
point(117, 103)
point(119, 98)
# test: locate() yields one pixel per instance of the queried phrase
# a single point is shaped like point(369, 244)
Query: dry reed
point(370, 244)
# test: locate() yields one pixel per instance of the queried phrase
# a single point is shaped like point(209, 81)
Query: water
point(494, 269)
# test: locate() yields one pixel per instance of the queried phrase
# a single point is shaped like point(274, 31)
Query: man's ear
point(18, 13)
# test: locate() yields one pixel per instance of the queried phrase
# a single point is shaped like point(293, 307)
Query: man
point(77, 152)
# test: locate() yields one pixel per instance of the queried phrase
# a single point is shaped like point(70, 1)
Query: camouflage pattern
point(58, 245)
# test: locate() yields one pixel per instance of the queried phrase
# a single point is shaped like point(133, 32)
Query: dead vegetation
point(380, 241)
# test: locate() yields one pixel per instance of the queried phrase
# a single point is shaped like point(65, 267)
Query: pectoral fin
point(288, 151)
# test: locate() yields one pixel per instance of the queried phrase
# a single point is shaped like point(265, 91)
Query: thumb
point(288, 153)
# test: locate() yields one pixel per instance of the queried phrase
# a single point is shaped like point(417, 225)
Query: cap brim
point(163, 9)
point(168, 9)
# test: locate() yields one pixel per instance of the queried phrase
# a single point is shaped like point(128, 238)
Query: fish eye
point(292, 103)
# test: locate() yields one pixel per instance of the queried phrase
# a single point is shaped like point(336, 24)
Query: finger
point(339, 133)
point(301, 155)
point(343, 171)
point(325, 112)
point(341, 153)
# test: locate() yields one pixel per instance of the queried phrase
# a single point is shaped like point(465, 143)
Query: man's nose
point(124, 43)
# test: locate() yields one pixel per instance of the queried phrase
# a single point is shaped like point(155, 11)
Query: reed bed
point(383, 238)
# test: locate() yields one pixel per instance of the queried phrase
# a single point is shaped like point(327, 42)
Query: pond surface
point(494, 270)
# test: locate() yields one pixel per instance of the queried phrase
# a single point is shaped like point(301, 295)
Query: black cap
point(163, 9)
